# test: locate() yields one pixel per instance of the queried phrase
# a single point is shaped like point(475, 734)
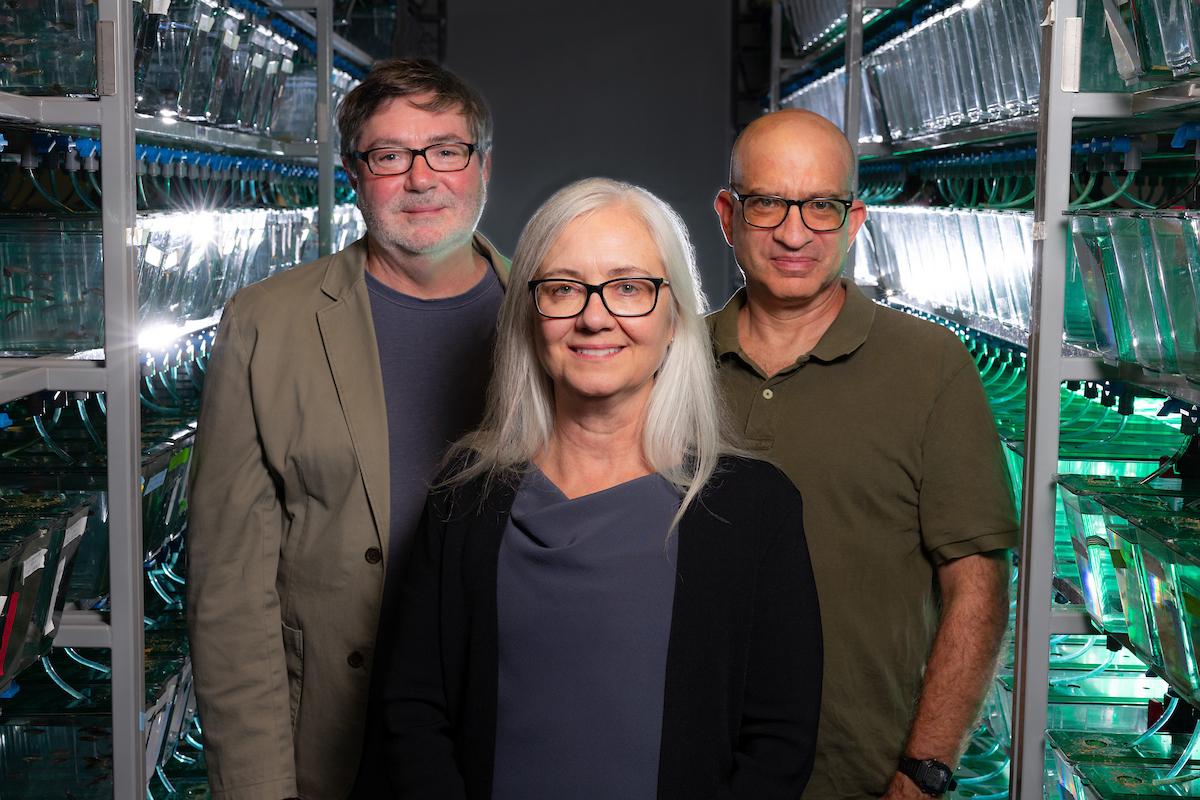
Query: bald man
point(881, 421)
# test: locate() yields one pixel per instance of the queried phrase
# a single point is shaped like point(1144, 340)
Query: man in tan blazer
point(332, 390)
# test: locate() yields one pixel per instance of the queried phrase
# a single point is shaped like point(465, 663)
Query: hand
point(902, 788)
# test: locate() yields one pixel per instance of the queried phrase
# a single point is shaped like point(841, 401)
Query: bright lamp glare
point(159, 337)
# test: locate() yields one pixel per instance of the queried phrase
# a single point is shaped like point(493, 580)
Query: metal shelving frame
point(121, 628)
point(1063, 109)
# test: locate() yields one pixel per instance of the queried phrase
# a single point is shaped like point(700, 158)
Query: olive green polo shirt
point(885, 429)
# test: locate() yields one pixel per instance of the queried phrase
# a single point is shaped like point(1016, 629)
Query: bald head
point(776, 135)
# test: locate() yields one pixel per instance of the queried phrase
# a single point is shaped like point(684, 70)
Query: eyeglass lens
point(627, 297)
point(440, 158)
point(768, 212)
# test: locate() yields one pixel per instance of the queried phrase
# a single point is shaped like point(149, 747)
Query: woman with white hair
point(605, 600)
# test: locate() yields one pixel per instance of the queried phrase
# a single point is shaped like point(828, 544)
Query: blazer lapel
point(348, 333)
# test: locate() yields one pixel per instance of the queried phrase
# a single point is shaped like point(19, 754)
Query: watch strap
point(931, 776)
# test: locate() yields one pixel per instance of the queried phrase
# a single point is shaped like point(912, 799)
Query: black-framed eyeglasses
point(820, 214)
point(442, 157)
point(559, 298)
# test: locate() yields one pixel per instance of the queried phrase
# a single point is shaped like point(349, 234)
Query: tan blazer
point(288, 531)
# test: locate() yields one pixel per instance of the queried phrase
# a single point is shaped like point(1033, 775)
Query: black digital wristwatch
point(930, 776)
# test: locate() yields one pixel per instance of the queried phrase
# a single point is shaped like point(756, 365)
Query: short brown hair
point(403, 77)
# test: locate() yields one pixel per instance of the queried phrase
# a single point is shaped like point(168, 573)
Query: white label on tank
point(237, 40)
point(206, 23)
point(76, 530)
point(155, 482)
point(287, 66)
point(33, 564)
point(258, 60)
point(230, 40)
point(160, 6)
point(273, 67)
point(3, 603)
point(153, 256)
point(171, 261)
point(62, 565)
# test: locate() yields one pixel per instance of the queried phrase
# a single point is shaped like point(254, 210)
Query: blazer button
point(355, 659)
point(374, 555)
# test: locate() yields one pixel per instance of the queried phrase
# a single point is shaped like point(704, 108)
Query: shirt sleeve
point(418, 735)
point(234, 623)
point(966, 502)
point(777, 742)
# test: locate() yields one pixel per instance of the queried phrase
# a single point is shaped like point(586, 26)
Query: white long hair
point(683, 428)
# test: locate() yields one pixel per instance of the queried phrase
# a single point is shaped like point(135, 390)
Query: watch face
point(937, 775)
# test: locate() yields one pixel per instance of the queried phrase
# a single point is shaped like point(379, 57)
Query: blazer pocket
point(293, 655)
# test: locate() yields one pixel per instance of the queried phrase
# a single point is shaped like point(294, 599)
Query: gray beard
point(379, 226)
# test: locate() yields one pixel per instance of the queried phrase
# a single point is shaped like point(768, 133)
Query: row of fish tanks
point(55, 702)
point(1121, 715)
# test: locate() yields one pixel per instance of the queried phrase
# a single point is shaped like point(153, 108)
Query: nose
point(792, 232)
point(420, 176)
point(595, 316)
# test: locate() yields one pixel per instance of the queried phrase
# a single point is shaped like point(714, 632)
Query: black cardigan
point(744, 659)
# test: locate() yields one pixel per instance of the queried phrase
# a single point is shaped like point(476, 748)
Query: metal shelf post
point(1034, 625)
point(776, 52)
point(326, 157)
point(122, 400)
point(325, 154)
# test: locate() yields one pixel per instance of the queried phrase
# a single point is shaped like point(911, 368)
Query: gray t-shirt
point(436, 358)
point(584, 590)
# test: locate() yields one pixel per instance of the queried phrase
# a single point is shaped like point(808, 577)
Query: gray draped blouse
point(584, 593)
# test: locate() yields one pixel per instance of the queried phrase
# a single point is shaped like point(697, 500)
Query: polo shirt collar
point(850, 328)
point(725, 326)
point(847, 333)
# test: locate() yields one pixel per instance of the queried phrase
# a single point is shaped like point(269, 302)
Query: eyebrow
point(615, 272)
point(441, 138)
point(829, 194)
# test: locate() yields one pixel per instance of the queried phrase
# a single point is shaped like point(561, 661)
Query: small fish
point(12, 776)
point(95, 731)
point(16, 298)
point(58, 760)
point(13, 58)
point(46, 297)
point(31, 758)
point(60, 752)
point(69, 795)
point(101, 778)
point(35, 731)
point(44, 276)
point(97, 292)
point(79, 304)
point(16, 41)
point(16, 269)
point(28, 73)
point(61, 27)
point(76, 335)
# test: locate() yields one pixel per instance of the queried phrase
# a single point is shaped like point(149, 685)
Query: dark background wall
point(637, 90)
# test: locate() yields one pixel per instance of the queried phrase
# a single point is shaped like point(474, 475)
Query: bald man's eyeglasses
point(820, 214)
